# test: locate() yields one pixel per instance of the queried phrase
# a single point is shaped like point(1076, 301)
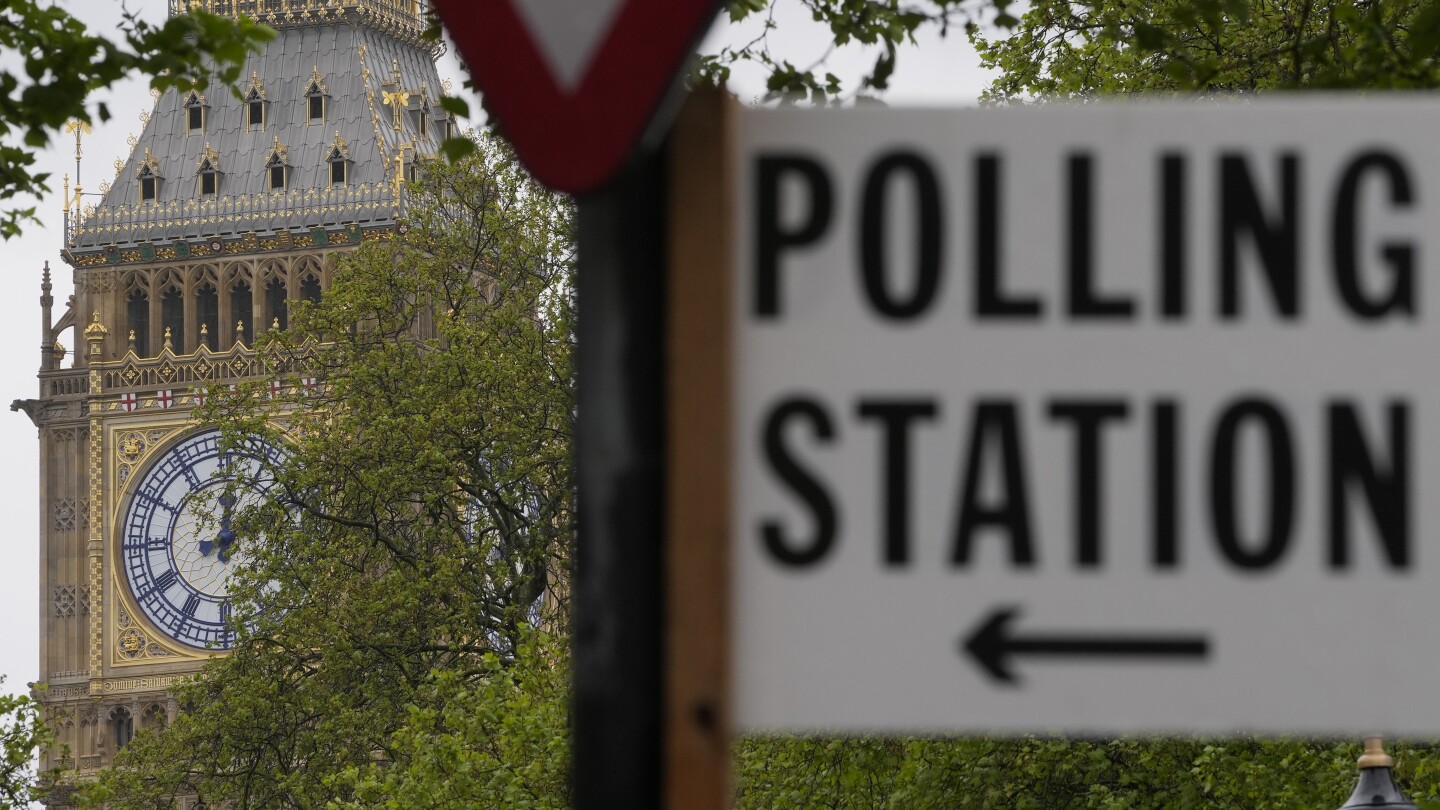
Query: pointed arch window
point(137, 312)
point(122, 726)
point(277, 304)
point(207, 315)
point(277, 168)
point(310, 288)
point(195, 110)
point(242, 309)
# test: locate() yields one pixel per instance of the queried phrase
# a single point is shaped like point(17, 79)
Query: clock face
point(178, 548)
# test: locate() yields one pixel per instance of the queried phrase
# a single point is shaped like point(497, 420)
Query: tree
point(397, 579)
point(885, 25)
point(64, 63)
point(22, 735)
point(1104, 47)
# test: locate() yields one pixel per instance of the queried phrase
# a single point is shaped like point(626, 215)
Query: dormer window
point(149, 177)
point(254, 111)
point(194, 113)
point(315, 98)
point(424, 118)
point(255, 103)
point(277, 170)
point(337, 168)
point(339, 159)
point(207, 172)
point(451, 130)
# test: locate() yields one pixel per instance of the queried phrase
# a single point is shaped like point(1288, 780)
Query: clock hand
point(226, 536)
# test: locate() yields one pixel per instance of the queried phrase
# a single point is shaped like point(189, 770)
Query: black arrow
point(993, 643)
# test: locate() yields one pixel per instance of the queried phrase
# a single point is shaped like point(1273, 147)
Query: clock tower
point(232, 204)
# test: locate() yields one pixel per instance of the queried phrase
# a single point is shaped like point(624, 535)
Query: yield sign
point(574, 83)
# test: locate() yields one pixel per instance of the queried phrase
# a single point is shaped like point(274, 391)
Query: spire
point(47, 323)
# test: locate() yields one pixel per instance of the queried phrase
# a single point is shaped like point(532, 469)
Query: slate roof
point(359, 66)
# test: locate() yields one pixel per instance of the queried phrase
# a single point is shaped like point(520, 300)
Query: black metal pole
point(617, 599)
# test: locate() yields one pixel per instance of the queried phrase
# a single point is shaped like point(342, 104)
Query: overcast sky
point(936, 72)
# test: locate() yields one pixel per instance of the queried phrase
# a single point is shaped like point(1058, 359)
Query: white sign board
point(1089, 419)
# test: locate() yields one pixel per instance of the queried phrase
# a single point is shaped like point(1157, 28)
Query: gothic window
point(155, 717)
point(137, 311)
point(424, 118)
point(275, 306)
point(172, 317)
point(317, 108)
point(122, 726)
point(207, 311)
point(310, 288)
point(242, 309)
point(450, 129)
point(194, 113)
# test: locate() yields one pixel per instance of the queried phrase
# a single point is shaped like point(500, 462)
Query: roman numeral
point(146, 544)
point(191, 605)
point(163, 582)
point(157, 501)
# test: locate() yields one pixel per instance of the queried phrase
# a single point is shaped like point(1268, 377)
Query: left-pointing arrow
point(994, 643)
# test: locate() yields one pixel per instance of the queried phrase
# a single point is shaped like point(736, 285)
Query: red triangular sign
point(574, 83)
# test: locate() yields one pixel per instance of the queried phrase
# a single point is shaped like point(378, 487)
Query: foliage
point(496, 743)
point(1064, 49)
point(387, 609)
point(63, 63)
point(1053, 774)
point(22, 734)
point(883, 25)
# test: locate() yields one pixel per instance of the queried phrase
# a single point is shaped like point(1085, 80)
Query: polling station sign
point(1087, 418)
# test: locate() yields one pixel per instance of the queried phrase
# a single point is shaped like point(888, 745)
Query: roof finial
point(1375, 756)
